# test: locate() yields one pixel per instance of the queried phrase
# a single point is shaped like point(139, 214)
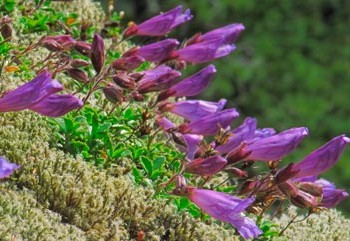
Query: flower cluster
point(229, 152)
point(232, 150)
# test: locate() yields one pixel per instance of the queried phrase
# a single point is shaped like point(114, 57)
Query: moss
point(105, 207)
point(23, 218)
point(328, 225)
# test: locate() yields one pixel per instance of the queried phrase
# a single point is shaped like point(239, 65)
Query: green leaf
point(147, 164)
point(137, 175)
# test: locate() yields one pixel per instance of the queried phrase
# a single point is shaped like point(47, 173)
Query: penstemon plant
point(142, 89)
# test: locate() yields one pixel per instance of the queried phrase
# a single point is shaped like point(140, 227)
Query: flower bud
point(78, 63)
point(128, 63)
point(312, 188)
point(113, 93)
point(137, 96)
point(78, 75)
point(6, 31)
point(236, 172)
point(206, 166)
point(97, 53)
point(247, 187)
point(58, 43)
point(83, 48)
point(288, 188)
point(124, 81)
point(304, 200)
point(286, 173)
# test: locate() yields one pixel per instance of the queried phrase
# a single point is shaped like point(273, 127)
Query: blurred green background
point(291, 68)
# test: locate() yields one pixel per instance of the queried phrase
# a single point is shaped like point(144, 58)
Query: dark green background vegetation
point(292, 66)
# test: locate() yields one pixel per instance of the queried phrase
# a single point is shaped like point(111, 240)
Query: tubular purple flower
point(161, 24)
point(206, 166)
point(226, 35)
point(158, 51)
point(263, 133)
point(164, 123)
point(331, 196)
point(275, 147)
point(97, 53)
point(158, 79)
point(57, 105)
point(226, 208)
point(6, 168)
point(193, 110)
point(192, 142)
point(203, 52)
point(210, 124)
point(238, 135)
point(192, 85)
point(30, 93)
point(323, 158)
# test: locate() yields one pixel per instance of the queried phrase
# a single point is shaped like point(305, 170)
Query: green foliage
point(7, 6)
point(107, 139)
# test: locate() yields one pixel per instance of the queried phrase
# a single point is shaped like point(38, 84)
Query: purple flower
point(192, 142)
point(226, 208)
point(206, 166)
point(30, 93)
point(161, 24)
point(193, 110)
point(238, 135)
point(158, 51)
point(226, 35)
point(275, 147)
point(57, 105)
point(330, 195)
point(323, 158)
point(157, 79)
point(210, 124)
point(97, 53)
point(192, 85)
point(6, 168)
point(164, 123)
point(203, 52)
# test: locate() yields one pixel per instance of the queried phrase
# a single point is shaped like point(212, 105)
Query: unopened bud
point(312, 188)
point(78, 63)
point(206, 166)
point(124, 81)
point(137, 96)
point(286, 173)
point(97, 53)
point(58, 43)
point(180, 182)
point(137, 76)
point(304, 200)
point(164, 95)
point(128, 63)
point(6, 31)
point(236, 172)
point(237, 155)
point(113, 93)
point(83, 48)
point(247, 187)
point(78, 75)
point(51, 45)
point(288, 189)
